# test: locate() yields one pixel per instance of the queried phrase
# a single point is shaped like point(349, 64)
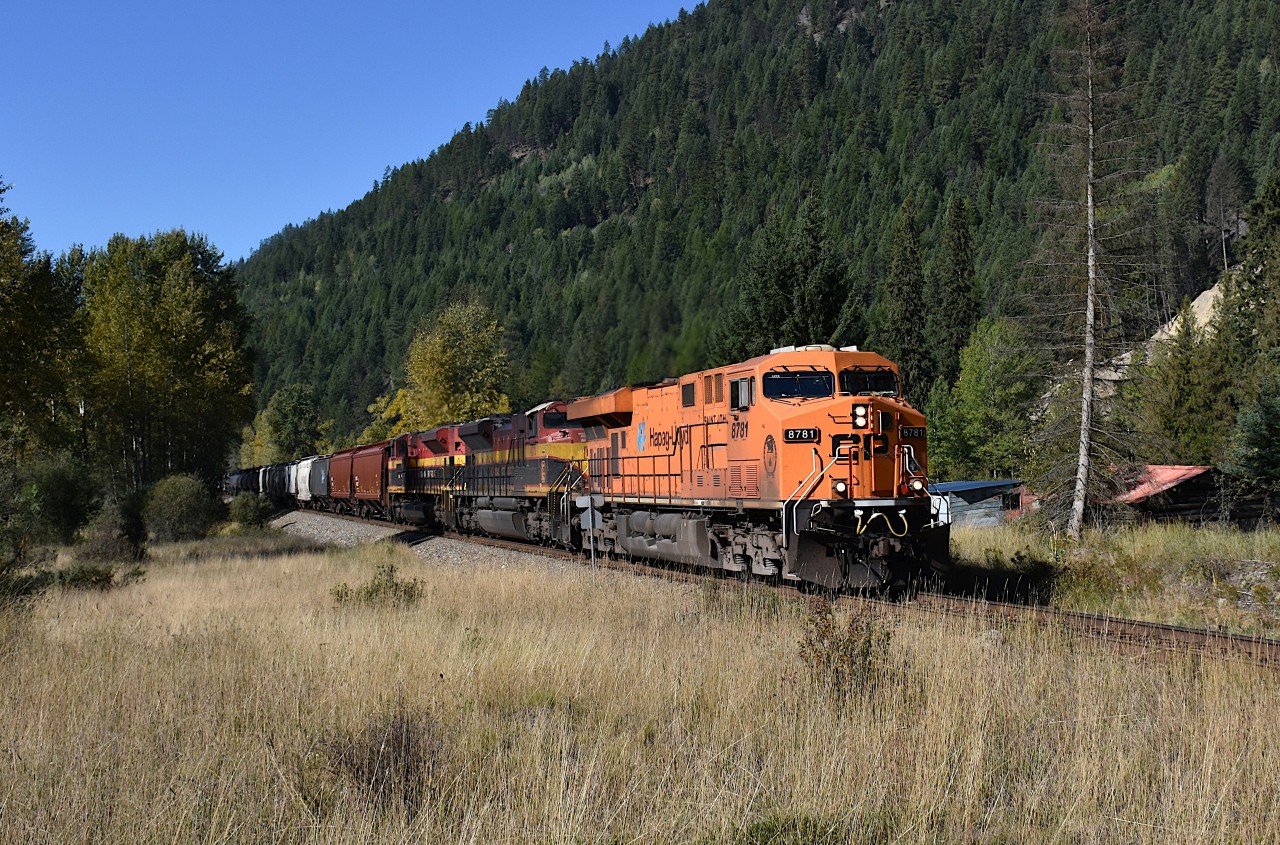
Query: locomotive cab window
point(798, 384)
point(742, 393)
point(877, 382)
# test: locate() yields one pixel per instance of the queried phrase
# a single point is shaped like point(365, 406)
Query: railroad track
point(1128, 635)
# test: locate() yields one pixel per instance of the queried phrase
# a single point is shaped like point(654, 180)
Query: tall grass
point(1209, 576)
point(231, 700)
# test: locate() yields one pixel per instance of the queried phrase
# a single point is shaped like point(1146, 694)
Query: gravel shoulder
point(331, 531)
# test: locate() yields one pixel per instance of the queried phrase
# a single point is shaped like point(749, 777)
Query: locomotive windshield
point(557, 419)
point(879, 382)
point(798, 384)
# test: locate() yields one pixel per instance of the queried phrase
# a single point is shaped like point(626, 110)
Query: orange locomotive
point(805, 463)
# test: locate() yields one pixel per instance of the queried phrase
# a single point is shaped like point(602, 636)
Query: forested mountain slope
point(606, 214)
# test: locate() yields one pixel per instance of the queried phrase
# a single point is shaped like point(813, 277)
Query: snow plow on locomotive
point(803, 465)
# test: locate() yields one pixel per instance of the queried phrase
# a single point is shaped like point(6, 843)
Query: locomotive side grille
point(745, 481)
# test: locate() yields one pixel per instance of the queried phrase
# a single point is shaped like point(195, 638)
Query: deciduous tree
point(981, 431)
point(391, 417)
point(294, 421)
point(40, 331)
point(456, 367)
point(170, 385)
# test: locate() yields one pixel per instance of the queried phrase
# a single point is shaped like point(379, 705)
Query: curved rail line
point(1124, 634)
point(1127, 634)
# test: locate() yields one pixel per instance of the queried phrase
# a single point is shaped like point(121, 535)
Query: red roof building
point(1189, 494)
point(1160, 479)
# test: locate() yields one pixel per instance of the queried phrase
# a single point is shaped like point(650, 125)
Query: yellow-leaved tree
point(391, 417)
point(456, 368)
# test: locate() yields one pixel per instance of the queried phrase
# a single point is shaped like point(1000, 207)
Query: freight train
point(803, 465)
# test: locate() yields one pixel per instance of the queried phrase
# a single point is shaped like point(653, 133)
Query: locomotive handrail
point(564, 513)
point(821, 471)
point(818, 470)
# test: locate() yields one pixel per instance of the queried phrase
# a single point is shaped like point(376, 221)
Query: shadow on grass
point(252, 544)
point(1023, 580)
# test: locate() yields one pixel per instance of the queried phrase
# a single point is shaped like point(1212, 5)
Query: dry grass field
point(1203, 577)
point(234, 699)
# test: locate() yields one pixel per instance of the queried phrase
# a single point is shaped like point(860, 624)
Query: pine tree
point(791, 295)
point(900, 317)
point(816, 277)
point(1182, 404)
point(1252, 456)
point(754, 323)
point(1085, 307)
point(953, 308)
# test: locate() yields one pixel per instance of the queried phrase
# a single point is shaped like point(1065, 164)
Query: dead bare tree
point(1096, 291)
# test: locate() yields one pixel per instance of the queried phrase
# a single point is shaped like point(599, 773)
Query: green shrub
point(86, 576)
point(249, 510)
point(106, 538)
point(21, 560)
point(179, 507)
point(384, 590)
point(96, 576)
point(17, 584)
point(60, 496)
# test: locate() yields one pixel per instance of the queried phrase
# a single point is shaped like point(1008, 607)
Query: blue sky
point(234, 119)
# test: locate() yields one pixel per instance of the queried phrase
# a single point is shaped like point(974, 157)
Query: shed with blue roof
point(979, 504)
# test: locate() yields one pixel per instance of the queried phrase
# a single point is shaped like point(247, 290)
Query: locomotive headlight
point(840, 487)
point(917, 485)
point(860, 416)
